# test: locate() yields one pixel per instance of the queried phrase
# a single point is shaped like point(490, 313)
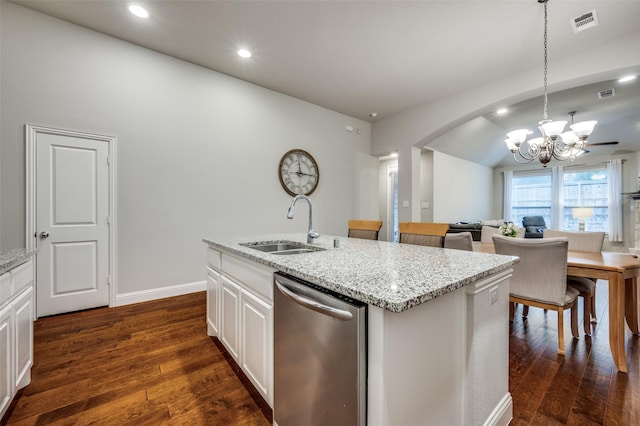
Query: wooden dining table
point(622, 271)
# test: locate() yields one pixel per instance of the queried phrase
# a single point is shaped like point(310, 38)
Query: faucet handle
point(312, 235)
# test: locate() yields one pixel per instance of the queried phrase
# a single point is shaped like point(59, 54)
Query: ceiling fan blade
point(602, 143)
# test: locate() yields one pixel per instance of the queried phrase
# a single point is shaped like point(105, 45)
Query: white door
point(72, 230)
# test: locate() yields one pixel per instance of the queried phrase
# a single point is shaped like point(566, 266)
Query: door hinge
point(109, 280)
point(108, 160)
point(109, 220)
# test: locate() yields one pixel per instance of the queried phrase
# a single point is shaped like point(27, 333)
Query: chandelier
point(553, 143)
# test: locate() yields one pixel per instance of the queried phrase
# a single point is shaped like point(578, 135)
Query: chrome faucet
point(311, 234)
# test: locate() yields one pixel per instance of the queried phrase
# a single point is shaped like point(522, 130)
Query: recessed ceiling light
point(627, 78)
point(244, 53)
point(138, 11)
point(502, 111)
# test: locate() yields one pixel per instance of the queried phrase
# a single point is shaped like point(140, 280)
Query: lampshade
point(584, 128)
point(582, 212)
point(518, 136)
point(569, 138)
point(512, 146)
point(552, 128)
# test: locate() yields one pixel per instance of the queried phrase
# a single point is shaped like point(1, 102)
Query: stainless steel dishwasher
point(320, 360)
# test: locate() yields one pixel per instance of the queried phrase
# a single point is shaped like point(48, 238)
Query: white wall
point(462, 190)
point(384, 195)
point(197, 150)
point(426, 185)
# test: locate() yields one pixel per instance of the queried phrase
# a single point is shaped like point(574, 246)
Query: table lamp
point(582, 213)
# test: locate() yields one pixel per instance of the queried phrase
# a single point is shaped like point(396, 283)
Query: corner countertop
point(14, 257)
point(392, 276)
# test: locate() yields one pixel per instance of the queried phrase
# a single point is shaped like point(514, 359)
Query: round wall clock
point(298, 172)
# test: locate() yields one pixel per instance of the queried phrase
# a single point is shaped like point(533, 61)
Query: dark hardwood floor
point(580, 388)
point(145, 364)
point(152, 363)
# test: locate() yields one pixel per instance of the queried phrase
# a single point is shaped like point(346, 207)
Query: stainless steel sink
point(282, 247)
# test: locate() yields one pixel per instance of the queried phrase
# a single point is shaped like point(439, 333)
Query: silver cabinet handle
point(313, 304)
point(44, 234)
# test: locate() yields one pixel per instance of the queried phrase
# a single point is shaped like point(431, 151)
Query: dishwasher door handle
point(313, 304)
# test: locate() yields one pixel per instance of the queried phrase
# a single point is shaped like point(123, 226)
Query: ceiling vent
point(585, 21)
point(607, 93)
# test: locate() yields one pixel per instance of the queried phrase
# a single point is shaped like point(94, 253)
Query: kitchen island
point(437, 332)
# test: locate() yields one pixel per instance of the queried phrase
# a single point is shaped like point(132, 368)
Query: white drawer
point(5, 288)
point(22, 276)
point(213, 258)
point(255, 277)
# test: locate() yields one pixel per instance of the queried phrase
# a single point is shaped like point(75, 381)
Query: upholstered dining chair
point(423, 233)
point(459, 241)
point(487, 232)
point(540, 278)
point(582, 241)
point(366, 229)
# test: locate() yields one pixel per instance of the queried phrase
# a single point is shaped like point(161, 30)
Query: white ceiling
point(358, 57)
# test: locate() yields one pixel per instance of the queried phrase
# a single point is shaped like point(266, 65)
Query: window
point(532, 192)
point(586, 188)
point(531, 196)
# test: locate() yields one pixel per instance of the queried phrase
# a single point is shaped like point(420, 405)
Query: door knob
point(44, 234)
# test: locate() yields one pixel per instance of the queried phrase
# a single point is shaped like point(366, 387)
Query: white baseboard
point(160, 293)
point(502, 413)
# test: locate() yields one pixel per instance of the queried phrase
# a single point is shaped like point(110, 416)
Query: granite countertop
point(392, 276)
point(14, 257)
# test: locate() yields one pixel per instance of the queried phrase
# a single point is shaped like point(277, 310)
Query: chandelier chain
point(544, 113)
point(553, 143)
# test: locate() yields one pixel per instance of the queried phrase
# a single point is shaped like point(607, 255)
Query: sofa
point(475, 228)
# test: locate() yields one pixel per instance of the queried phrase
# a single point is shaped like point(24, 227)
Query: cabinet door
point(6, 369)
point(229, 318)
point(256, 348)
point(213, 302)
point(23, 314)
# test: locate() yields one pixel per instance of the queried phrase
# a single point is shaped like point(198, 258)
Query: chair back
point(459, 241)
point(487, 232)
point(534, 226)
point(533, 221)
point(541, 273)
point(365, 229)
point(579, 241)
point(423, 233)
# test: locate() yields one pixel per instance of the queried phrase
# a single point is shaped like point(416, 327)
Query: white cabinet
point(256, 345)
point(16, 331)
point(230, 320)
point(213, 302)
point(240, 314)
point(23, 356)
point(6, 370)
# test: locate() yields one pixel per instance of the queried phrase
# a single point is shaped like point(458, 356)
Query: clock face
point(298, 172)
